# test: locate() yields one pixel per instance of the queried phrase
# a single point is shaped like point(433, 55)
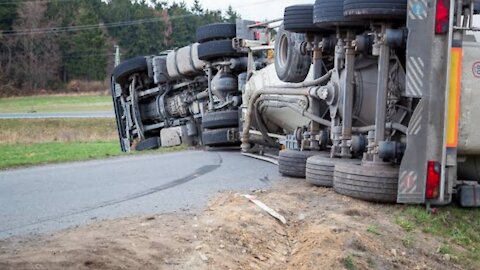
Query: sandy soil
point(323, 231)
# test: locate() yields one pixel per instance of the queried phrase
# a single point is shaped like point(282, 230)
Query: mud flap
point(469, 196)
point(425, 135)
point(411, 186)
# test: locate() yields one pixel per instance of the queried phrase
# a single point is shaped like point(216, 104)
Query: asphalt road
point(106, 114)
point(50, 198)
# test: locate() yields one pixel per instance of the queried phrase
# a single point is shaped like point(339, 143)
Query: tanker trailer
point(398, 80)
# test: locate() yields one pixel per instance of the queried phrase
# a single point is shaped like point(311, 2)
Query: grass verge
point(19, 155)
point(67, 103)
point(30, 131)
point(459, 228)
point(28, 142)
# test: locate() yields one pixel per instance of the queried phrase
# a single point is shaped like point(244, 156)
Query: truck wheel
point(299, 19)
point(290, 64)
point(320, 169)
point(217, 49)
point(293, 162)
point(134, 65)
point(119, 112)
point(216, 31)
point(148, 144)
point(220, 137)
point(221, 119)
point(375, 9)
point(369, 183)
point(329, 13)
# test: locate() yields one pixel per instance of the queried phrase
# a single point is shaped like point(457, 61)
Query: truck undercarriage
point(373, 98)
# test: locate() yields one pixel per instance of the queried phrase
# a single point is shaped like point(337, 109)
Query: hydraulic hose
point(390, 125)
point(315, 82)
point(303, 112)
point(299, 89)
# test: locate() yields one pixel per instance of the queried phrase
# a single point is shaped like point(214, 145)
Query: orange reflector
point(454, 97)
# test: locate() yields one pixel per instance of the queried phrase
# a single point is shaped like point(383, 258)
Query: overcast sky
point(259, 10)
point(256, 10)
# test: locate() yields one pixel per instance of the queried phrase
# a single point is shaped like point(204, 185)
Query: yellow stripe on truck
point(454, 97)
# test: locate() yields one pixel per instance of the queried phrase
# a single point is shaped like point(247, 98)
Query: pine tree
point(86, 57)
point(46, 60)
point(232, 15)
point(197, 8)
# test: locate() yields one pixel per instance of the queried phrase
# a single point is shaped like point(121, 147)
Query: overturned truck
point(373, 98)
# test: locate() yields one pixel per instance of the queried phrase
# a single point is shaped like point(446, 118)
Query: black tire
point(219, 137)
point(299, 19)
point(148, 144)
point(216, 31)
point(293, 162)
point(329, 13)
point(320, 169)
point(134, 65)
point(217, 49)
point(222, 119)
point(119, 112)
point(290, 64)
point(369, 183)
point(375, 9)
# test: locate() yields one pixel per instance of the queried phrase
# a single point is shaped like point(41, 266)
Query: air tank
point(184, 62)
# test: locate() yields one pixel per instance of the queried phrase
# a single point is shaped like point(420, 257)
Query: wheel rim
point(284, 46)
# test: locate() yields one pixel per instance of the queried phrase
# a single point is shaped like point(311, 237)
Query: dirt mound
point(323, 231)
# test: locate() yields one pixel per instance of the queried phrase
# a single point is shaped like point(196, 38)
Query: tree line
point(46, 44)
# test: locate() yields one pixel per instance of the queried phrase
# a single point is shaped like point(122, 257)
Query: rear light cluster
point(442, 18)
point(433, 180)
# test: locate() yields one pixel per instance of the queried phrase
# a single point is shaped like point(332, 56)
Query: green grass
point(406, 224)
point(373, 229)
point(19, 155)
point(30, 131)
point(35, 154)
point(460, 229)
point(27, 142)
point(445, 249)
point(408, 240)
point(72, 103)
point(349, 263)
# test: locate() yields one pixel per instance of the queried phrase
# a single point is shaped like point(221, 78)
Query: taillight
point(433, 180)
point(442, 18)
